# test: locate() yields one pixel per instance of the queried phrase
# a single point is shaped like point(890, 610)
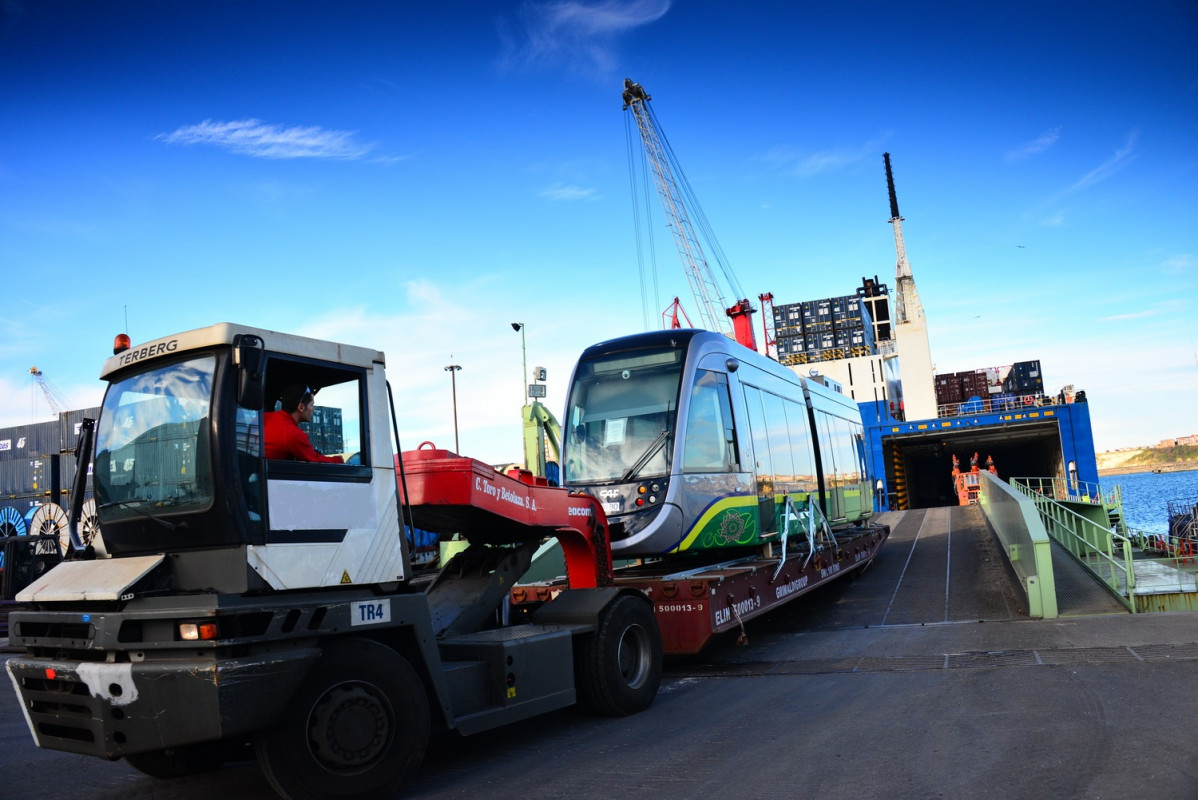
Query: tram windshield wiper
point(132, 504)
point(650, 451)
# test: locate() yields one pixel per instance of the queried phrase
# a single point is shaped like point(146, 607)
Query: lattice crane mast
point(679, 203)
point(57, 402)
point(907, 307)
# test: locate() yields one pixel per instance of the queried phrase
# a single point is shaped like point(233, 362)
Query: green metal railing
point(1072, 491)
point(1103, 552)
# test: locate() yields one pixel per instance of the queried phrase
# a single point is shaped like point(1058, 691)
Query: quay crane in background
point(54, 398)
point(680, 205)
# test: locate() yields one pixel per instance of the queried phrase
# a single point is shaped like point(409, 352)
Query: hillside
point(1166, 459)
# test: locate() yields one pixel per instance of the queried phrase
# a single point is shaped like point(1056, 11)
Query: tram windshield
point(620, 416)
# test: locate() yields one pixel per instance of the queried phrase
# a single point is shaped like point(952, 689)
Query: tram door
point(763, 466)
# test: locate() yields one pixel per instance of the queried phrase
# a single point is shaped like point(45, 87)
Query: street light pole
point(452, 369)
point(519, 326)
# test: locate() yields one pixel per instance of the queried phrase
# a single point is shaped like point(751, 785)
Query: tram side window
point(827, 435)
point(856, 445)
point(849, 459)
point(780, 444)
point(840, 456)
point(800, 447)
point(710, 444)
point(761, 443)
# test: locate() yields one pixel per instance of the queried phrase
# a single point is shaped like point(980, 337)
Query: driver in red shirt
point(281, 433)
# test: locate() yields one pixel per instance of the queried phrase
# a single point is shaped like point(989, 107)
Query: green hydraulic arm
point(540, 426)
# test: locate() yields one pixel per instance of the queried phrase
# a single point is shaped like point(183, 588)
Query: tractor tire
point(618, 667)
point(358, 727)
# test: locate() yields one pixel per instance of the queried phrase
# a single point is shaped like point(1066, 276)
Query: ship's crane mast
point(907, 307)
point(57, 402)
point(910, 329)
point(679, 203)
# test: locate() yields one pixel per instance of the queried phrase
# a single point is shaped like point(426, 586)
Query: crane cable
point(648, 278)
point(695, 210)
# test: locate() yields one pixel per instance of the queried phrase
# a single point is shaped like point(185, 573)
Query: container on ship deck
point(973, 384)
point(787, 330)
point(791, 345)
point(788, 316)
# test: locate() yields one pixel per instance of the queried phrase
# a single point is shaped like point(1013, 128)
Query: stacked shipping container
point(824, 330)
point(37, 465)
point(999, 387)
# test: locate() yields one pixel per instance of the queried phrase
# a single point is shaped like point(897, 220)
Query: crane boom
point(57, 402)
point(671, 188)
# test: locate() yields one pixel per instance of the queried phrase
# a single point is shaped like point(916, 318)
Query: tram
point(693, 442)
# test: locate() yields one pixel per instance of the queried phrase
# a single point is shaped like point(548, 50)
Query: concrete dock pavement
point(922, 678)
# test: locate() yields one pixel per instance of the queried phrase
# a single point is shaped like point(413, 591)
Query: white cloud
point(1106, 169)
point(1149, 312)
point(1034, 147)
point(809, 164)
point(561, 192)
point(253, 137)
point(1178, 264)
point(1118, 160)
point(576, 34)
point(470, 325)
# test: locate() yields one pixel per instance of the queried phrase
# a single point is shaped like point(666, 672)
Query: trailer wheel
point(179, 762)
point(358, 727)
point(619, 666)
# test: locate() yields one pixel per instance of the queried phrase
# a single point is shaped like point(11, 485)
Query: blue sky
point(415, 177)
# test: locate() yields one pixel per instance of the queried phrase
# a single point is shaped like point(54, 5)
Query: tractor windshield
point(152, 443)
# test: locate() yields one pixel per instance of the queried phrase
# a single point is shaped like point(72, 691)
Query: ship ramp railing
point(1015, 521)
point(1107, 555)
point(1073, 491)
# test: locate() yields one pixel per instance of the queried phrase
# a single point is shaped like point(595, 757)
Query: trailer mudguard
point(576, 607)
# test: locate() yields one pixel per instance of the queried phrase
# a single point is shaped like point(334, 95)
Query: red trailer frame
point(694, 605)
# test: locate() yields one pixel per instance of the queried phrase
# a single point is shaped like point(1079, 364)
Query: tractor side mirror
point(247, 357)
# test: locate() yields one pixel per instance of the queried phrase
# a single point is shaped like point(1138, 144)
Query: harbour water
point(1146, 496)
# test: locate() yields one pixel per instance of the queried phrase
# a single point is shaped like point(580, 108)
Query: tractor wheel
point(619, 665)
point(358, 727)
